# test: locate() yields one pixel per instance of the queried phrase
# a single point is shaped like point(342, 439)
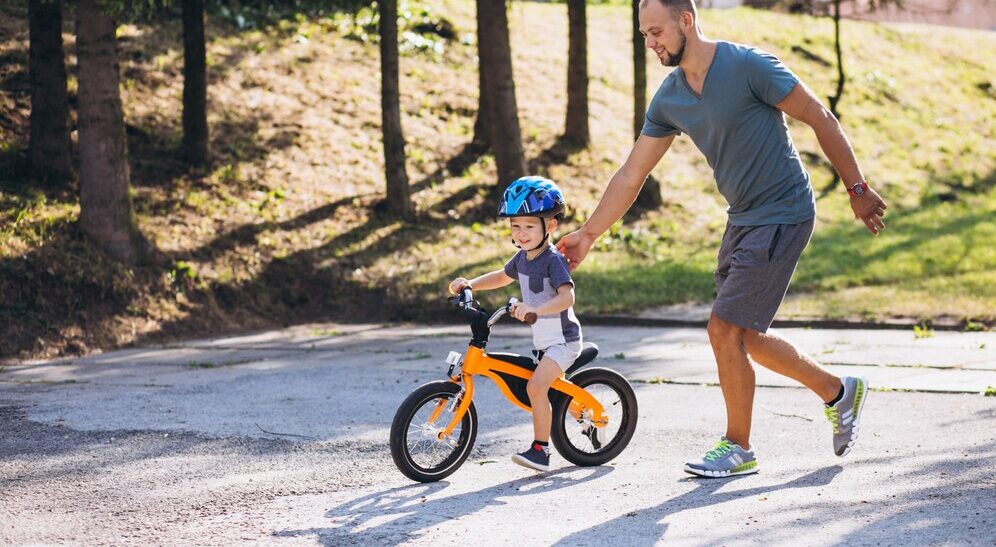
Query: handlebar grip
point(530, 318)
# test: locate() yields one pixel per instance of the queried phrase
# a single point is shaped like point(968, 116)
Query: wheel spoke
point(424, 446)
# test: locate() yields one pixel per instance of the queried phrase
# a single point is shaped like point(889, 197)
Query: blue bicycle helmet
point(532, 197)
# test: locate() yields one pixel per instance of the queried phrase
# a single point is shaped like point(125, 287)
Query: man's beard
point(674, 59)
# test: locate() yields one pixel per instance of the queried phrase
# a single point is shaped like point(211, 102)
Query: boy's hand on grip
point(457, 285)
point(523, 312)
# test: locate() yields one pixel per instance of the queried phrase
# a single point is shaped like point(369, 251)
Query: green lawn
point(282, 227)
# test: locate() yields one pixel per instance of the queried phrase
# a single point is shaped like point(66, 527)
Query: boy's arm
point(559, 303)
point(491, 280)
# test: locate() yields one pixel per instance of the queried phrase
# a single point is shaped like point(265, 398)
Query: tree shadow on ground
point(647, 522)
point(363, 518)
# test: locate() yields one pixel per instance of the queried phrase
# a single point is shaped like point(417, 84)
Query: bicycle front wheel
point(416, 447)
point(573, 433)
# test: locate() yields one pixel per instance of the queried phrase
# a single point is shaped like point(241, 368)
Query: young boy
point(533, 206)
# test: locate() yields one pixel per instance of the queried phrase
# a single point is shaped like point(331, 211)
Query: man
point(730, 98)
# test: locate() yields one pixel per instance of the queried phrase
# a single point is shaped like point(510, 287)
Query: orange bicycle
point(594, 410)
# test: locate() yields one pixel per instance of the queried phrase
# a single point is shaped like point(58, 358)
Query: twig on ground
point(788, 415)
point(284, 434)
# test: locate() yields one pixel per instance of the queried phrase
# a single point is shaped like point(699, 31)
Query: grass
point(284, 225)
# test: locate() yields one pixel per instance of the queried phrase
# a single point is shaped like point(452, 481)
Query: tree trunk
point(639, 73)
point(195, 127)
point(482, 129)
point(841, 80)
point(50, 148)
point(398, 193)
point(576, 124)
point(649, 197)
point(496, 61)
point(105, 201)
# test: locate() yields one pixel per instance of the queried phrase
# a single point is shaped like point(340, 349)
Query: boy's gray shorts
point(755, 266)
point(564, 354)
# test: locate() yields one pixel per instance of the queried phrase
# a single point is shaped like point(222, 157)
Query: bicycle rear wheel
point(576, 437)
point(415, 445)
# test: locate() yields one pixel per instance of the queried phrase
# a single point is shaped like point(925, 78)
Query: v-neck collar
point(705, 81)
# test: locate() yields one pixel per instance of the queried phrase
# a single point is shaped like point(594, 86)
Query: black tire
point(449, 460)
point(567, 432)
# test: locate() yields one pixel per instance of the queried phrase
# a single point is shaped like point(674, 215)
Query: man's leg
point(778, 354)
point(736, 377)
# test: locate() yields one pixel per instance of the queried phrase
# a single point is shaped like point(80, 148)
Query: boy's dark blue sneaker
point(537, 457)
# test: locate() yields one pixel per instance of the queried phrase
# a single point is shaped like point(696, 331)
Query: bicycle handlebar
point(466, 300)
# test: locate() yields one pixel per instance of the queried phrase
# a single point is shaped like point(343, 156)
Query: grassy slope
point(282, 226)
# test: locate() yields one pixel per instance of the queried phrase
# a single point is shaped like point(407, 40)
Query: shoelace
point(721, 449)
point(834, 418)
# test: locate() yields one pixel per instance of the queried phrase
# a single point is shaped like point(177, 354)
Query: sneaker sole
point(857, 419)
point(530, 464)
point(719, 474)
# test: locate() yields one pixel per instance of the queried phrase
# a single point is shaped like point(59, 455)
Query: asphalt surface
point(281, 437)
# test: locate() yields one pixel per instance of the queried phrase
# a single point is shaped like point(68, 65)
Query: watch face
point(858, 189)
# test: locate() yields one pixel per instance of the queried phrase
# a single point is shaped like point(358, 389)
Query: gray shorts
point(564, 354)
point(755, 266)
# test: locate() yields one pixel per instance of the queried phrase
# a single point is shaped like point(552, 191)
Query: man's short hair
point(676, 6)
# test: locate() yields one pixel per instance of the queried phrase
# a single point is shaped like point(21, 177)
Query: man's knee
point(724, 333)
point(752, 338)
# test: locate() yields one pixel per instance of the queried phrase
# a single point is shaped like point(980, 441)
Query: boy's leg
point(538, 387)
point(537, 457)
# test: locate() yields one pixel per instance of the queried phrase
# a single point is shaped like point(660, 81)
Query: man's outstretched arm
point(617, 198)
point(802, 105)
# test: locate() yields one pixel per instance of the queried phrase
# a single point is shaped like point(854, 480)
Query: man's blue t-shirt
point(745, 139)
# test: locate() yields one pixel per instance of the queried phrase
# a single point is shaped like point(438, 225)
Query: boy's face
point(527, 232)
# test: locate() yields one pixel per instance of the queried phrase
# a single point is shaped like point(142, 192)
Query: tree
point(832, 8)
point(195, 127)
point(398, 192)
point(106, 214)
point(649, 197)
point(576, 123)
point(50, 148)
point(496, 63)
point(482, 129)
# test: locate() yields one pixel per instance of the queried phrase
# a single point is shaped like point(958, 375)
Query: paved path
point(281, 437)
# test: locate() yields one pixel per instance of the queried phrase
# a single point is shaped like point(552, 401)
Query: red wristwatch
point(858, 189)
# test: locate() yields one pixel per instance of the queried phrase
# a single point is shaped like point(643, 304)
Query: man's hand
point(520, 309)
point(869, 208)
point(575, 246)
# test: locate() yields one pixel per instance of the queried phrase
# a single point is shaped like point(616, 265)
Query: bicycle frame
point(478, 363)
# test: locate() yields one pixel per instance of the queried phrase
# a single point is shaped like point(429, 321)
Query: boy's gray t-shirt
point(539, 280)
point(743, 136)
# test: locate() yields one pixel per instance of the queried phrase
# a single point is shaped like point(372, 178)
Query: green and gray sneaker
point(845, 415)
point(726, 459)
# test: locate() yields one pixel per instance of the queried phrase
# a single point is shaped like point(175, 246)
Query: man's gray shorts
point(756, 264)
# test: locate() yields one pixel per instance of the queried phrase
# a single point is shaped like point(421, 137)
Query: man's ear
point(687, 19)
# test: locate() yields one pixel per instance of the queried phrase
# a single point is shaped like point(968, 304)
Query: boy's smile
point(527, 232)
